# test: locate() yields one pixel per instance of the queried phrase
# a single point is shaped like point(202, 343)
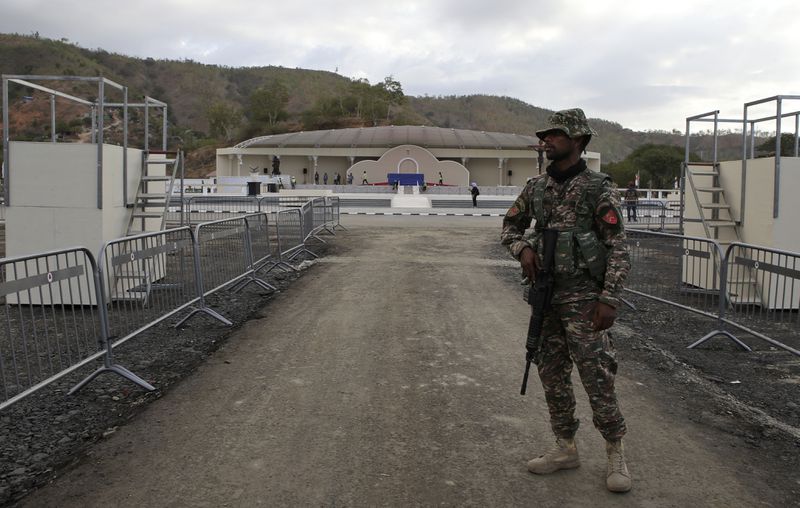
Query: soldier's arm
point(611, 231)
point(516, 221)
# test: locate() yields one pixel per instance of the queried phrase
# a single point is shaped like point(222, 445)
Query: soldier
point(591, 263)
point(631, 200)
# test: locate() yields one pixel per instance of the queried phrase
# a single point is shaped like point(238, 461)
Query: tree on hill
point(369, 104)
point(767, 148)
point(657, 165)
point(223, 120)
point(268, 103)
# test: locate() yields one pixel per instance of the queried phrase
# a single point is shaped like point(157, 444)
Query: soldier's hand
point(604, 316)
point(529, 261)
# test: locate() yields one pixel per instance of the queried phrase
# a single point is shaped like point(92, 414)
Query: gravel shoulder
point(388, 374)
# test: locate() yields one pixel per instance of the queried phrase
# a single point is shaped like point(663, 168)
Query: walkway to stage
point(389, 375)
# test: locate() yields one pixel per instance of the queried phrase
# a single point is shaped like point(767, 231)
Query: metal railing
point(198, 209)
point(261, 242)
point(335, 204)
point(53, 323)
point(276, 203)
point(321, 212)
point(205, 208)
point(290, 236)
point(763, 292)
point(257, 251)
point(654, 215)
point(98, 105)
point(64, 311)
point(696, 275)
point(148, 278)
point(220, 260)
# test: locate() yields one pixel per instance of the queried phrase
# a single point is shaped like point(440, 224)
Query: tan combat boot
point(564, 455)
point(618, 479)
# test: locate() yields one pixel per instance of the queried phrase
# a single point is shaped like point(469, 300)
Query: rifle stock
point(539, 296)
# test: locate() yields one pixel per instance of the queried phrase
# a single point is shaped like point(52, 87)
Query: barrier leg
point(205, 310)
point(252, 280)
point(283, 265)
point(629, 304)
point(114, 369)
point(302, 251)
point(724, 333)
point(315, 237)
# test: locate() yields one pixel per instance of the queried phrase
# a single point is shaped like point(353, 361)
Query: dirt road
point(389, 375)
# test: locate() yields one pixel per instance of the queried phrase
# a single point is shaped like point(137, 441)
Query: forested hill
point(505, 114)
point(215, 106)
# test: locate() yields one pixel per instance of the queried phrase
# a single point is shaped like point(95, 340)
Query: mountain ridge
point(190, 88)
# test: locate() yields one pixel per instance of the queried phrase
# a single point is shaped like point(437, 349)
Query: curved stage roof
point(389, 136)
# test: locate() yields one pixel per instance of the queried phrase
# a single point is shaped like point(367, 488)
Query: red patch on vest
point(512, 211)
point(610, 217)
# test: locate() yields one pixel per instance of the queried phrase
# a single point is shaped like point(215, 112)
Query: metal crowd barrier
point(275, 203)
point(307, 221)
point(257, 251)
point(53, 324)
point(763, 291)
point(335, 210)
point(290, 236)
point(148, 278)
point(653, 216)
point(204, 208)
point(323, 215)
point(261, 250)
point(222, 258)
point(695, 274)
point(63, 310)
point(207, 208)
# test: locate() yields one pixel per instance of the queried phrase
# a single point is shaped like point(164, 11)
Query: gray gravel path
point(389, 375)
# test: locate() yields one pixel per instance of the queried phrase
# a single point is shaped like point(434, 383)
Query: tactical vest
point(578, 248)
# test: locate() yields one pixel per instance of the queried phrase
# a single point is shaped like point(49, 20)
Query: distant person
point(349, 178)
point(364, 178)
point(325, 178)
point(293, 181)
point(316, 178)
point(475, 193)
point(337, 180)
point(631, 200)
point(441, 180)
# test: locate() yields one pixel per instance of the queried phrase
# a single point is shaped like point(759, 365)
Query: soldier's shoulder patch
point(512, 211)
point(610, 216)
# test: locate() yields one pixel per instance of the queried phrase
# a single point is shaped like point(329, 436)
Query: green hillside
point(314, 99)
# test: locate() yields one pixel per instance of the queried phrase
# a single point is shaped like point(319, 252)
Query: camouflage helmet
point(571, 122)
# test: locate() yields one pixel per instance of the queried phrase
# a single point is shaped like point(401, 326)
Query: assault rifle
point(539, 295)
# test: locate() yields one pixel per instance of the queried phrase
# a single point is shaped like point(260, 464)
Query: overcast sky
point(646, 65)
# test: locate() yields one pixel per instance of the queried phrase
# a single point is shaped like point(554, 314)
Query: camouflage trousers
point(567, 338)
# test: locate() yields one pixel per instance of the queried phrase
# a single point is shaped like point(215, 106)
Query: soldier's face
point(558, 146)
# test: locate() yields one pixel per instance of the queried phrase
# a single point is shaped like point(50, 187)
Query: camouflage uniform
point(591, 265)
